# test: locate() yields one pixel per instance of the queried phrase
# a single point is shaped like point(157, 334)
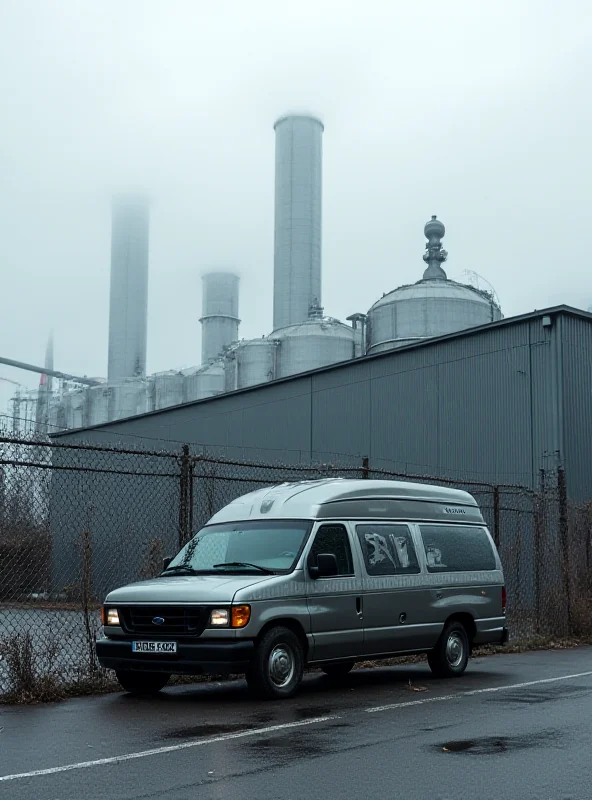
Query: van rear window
point(451, 548)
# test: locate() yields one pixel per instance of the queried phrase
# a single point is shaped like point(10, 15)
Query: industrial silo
point(204, 382)
point(297, 238)
point(75, 409)
point(230, 369)
point(128, 398)
point(98, 404)
point(434, 306)
point(316, 343)
point(219, 319)
point(255, 362)
point(128, 304)
point(167, 389)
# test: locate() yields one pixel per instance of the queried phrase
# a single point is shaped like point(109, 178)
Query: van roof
point(348, 497)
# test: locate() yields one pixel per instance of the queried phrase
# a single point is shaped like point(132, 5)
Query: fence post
point(564, 539)
point(185, 492)
point(365, 467)
point(496, 516)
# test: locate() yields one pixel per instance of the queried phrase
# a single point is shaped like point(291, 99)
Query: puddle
point(287, 746)
point(493, 745)
point(204, 731)
point(546, 695)
point(312, 712)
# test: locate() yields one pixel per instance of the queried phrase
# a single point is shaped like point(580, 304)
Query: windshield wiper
point(180, 570)
point(244, 564)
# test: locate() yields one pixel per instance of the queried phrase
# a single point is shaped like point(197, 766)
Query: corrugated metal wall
point(474, 407)
point(576, 337)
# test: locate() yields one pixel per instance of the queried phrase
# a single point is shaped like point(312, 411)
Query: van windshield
point(243, 547)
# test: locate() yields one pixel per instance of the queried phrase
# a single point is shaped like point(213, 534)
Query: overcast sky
point(477, 112)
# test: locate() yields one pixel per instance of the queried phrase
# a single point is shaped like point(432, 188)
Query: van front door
point(335, 604)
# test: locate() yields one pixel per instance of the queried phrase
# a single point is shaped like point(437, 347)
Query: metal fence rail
point(77, 521)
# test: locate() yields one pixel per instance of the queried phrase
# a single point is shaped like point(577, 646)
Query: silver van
point(317, 573)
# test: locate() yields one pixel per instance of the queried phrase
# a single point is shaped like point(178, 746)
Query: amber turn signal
point(239, 616)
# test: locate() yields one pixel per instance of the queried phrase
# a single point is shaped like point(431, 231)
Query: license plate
point(154, 647)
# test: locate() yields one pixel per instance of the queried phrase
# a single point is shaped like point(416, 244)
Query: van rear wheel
point(338, 670)
point(142, 682)
point(450, 656)
point(277, 666)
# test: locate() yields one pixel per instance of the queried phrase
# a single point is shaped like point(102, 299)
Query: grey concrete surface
point(516, 726)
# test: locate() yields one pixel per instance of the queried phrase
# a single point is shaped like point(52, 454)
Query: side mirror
point(326, 566)
point(166, 562)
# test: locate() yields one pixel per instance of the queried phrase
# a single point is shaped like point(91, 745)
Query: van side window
point(452, 548)
point(333, 539)
point(388, 549)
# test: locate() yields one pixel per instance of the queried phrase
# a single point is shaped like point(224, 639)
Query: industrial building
point(303, 338)
point(497, 403)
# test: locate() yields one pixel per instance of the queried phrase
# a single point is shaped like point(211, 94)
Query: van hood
point(185, 589)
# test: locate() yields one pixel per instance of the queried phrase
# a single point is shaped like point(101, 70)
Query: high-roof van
point(320, 573)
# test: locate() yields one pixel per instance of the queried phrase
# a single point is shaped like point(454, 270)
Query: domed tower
point(433, 306)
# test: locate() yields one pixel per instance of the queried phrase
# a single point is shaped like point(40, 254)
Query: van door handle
point(359, 606)
point(438, 595)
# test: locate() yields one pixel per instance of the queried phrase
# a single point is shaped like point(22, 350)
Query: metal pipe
point(45, 371)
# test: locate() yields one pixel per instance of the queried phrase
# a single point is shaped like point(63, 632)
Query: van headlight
point(110, 616)
point(235, 617)
point(219, 618)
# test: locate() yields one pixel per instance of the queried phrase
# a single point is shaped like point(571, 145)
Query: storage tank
point(255, 362)
point(313, 344)
point(230, 369)
point(205, 382)
point(75, 409)
point(128, 398)
point(57, 421)
point(168, 389)
point(98, 404)
point(297, 237)
point(434, 306)
point(219, 321)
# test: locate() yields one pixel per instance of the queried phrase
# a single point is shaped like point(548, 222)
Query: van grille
point(178, 620)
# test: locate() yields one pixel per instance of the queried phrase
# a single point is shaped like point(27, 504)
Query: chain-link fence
point(79, 520)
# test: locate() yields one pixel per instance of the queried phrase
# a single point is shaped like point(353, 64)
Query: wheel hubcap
point(455, 649)
point(281, 665)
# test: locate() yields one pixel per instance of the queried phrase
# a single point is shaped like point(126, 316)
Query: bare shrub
point(31, 672)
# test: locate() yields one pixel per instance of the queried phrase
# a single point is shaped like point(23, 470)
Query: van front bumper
point(194, 658)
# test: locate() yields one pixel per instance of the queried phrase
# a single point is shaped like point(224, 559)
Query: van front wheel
point(277, 666)
point(450, 656)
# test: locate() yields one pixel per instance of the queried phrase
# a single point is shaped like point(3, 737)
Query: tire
point(338, 670)
point(278, 664)
point(142, 682)
point(450, 656)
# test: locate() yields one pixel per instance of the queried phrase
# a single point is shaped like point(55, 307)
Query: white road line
point(489, 690)
point(99, 762)
point(272, 728)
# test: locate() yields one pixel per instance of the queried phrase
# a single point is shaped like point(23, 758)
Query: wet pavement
point(516, 726)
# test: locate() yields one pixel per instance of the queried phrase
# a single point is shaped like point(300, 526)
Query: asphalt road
point(516, 726)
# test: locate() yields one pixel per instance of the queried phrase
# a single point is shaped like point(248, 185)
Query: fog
point(476, 112)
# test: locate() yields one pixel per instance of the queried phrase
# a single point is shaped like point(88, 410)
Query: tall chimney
point(128, 305)
point(219, 321)
point(297, 246)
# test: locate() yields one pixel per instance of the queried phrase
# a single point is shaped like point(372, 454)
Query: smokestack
point(297, 246)
point(219, 321)
point(128, 304)
point(44, 392)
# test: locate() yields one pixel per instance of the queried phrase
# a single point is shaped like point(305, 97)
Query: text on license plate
point(154, 647)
